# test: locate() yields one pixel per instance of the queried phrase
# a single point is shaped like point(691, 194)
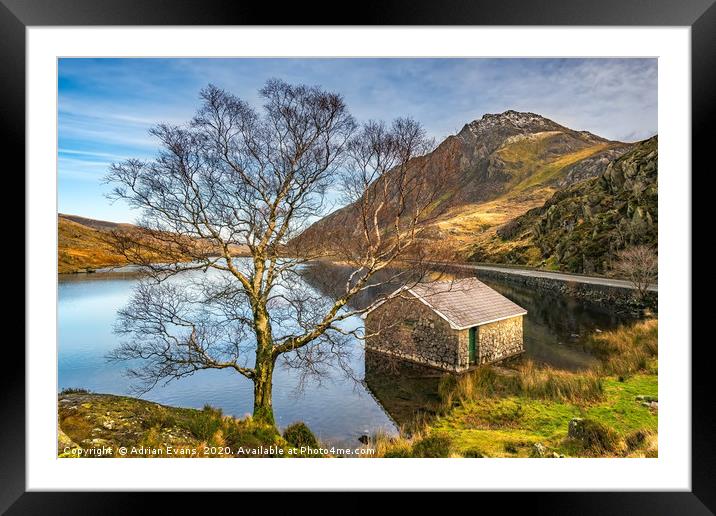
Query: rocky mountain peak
point(514, 160)
point(512, 121)
point(494, 129)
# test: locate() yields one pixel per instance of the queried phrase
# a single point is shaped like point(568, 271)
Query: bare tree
point(238, 178)
point(639, 264)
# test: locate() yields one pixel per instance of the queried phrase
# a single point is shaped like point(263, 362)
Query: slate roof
point(466, 302)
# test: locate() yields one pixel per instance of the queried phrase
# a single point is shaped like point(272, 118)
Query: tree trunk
point(263, 407)
point(265, 360)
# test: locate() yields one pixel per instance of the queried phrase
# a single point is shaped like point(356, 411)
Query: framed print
point(418, 249)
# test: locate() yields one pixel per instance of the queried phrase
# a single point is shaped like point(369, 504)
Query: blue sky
point(106, 106)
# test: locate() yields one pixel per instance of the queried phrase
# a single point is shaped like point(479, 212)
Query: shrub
point(640, 265)
point(238, 436)
point(510, 448)
point(247, 434)
point(299, 435)
point(204, 424)
point(433, 446)
point(640, 439)
point(596, 437)
point(75, 390)
point(160, 418)
point(473, 453)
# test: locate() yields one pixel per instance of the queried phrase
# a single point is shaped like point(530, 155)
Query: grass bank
point(528, 411)
point(91, 425)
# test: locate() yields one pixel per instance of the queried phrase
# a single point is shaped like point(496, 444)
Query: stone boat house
point(450, 325)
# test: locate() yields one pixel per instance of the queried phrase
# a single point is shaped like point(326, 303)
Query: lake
point(340, 409)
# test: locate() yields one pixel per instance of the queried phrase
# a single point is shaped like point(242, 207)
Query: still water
point(340, 409)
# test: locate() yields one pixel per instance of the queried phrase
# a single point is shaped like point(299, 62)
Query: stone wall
point(499, 340)
point(409, 330)
point(615, 299)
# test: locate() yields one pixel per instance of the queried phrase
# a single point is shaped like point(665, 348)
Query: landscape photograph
point(357, 258)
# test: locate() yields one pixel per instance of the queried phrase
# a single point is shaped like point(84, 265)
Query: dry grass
point(623, 351)
point(551, 384)
point(551, 171)
point(476, 224)
point(642, 444)
point(481, 383)
point(529, 381)
point(628, 349)
point(424, 444)
point(390, 447)
point(598, 439)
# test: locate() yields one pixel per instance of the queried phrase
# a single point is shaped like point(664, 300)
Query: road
point(575, 278)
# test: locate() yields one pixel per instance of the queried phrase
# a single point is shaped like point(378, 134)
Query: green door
point(472, 345)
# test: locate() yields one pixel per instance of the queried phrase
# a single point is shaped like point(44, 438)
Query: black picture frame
point(700, 15)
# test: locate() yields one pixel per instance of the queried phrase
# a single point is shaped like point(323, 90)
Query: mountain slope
point(581, 227)
point(82, 244)
point(87, 244)
point(495, 169)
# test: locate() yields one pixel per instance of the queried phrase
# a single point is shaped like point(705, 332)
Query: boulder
point(64, 442)
point(576, 428)
point(538, 451)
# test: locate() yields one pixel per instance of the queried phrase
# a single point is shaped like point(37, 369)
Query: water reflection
point(408, 392)
point(556, 327)
point(339, 410)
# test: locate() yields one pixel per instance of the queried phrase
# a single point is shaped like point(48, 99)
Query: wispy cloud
point(107, 106)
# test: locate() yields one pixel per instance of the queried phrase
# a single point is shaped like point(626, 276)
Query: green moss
point(621, 410)
point(299, 435)
point(433, 446)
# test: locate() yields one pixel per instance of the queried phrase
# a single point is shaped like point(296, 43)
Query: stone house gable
point(434, 325)
point(407, 328)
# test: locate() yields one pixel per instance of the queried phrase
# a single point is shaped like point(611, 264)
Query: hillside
point(581, 227)
point(104, 425)
point(82, 244)
point(85, 244)
point(495, 169)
